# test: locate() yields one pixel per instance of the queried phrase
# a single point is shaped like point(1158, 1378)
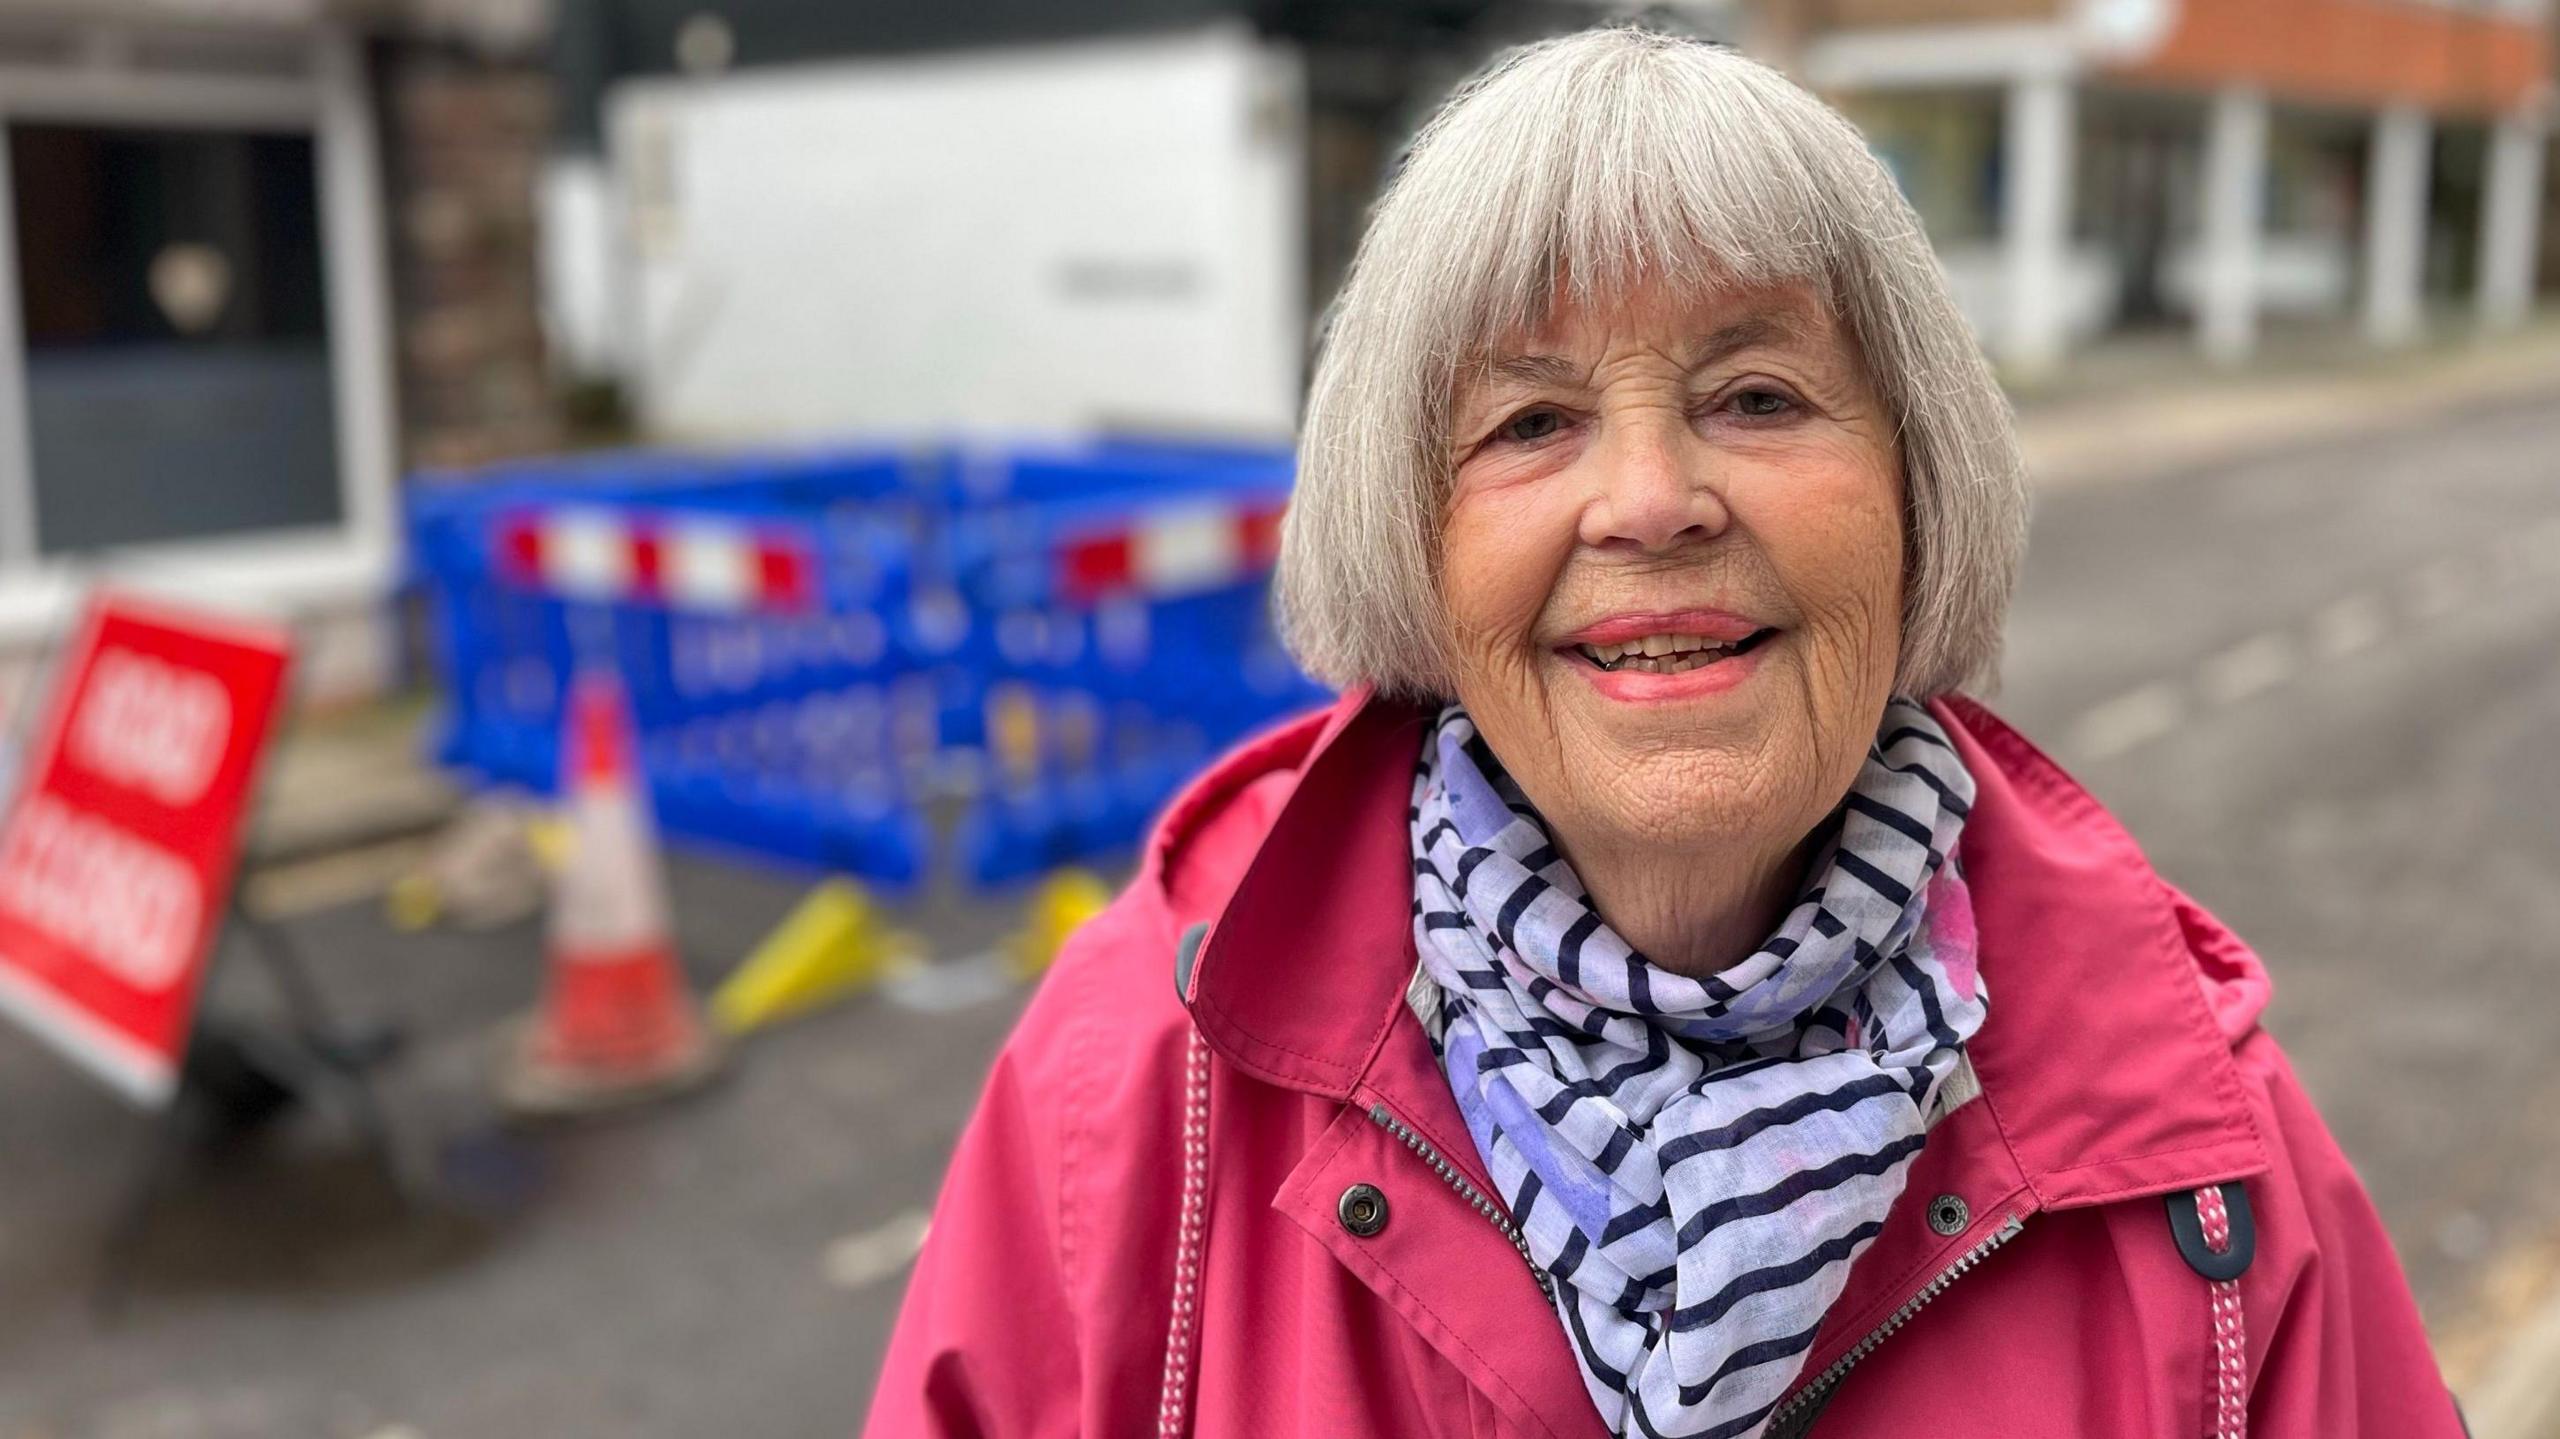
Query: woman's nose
point(1653, 490)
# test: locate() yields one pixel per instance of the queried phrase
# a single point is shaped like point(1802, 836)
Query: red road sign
point(116, 859)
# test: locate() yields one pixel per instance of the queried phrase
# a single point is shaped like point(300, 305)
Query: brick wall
point(1863, 14)
point(2356, 52)
point(463, 140)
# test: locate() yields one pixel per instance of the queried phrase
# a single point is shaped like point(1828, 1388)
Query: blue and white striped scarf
point(1697, 1161)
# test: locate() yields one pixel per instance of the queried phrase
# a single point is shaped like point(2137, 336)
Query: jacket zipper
point(1799, 1407)
point(1789, 1418)
point(1450, 1175)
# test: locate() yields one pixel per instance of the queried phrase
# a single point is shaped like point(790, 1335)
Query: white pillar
point(2509, 212)
point(2395, 225)
point(2036, 243)
point(358, 295)
point(2235, 180)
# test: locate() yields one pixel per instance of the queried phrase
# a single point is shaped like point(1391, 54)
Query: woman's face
point(1672, 565)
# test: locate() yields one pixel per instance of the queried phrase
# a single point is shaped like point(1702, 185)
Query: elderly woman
point(1652, 1001)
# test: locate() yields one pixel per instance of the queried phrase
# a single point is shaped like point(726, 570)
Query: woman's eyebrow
point(1536, 370)
point(1725, 340)
point(1743, 334)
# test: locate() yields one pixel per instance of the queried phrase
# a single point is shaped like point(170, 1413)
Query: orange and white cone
point(616, 1022)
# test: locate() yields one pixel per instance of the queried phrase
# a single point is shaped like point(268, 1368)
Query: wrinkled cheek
point(1852, 628)
point(1863, 582)
point(1496, 578)
point(1851, 592)
point(1869, 637)
point(1885, 601)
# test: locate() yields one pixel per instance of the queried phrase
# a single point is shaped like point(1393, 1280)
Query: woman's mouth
point(1667, 654)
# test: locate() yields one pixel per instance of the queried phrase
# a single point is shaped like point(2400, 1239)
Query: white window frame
point(282, 572)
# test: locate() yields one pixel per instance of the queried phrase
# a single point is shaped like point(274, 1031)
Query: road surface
point(2321, 686)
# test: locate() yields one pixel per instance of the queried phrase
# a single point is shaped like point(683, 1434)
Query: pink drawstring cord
point(2230, 1338)
point(1173, 1404)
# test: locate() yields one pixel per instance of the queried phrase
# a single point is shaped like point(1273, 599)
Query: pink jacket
point(1155, 1222)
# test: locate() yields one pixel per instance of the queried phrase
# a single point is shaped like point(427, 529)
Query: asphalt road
point(2321, 686)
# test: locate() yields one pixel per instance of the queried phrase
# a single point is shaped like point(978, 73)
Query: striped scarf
point(1697, 1161)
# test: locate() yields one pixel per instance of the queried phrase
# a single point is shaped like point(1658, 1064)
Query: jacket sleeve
point(2344, 1355)
point(986, 1344)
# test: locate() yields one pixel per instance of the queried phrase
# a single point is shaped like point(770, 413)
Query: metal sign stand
point(235, 1077)
point(239, 1076)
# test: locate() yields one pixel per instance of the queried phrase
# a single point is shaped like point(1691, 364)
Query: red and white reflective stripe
point(589, 553)
point(1173, 550)
point(2230, 1339)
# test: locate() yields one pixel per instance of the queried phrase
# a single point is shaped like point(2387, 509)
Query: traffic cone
point(616, 1023)
point(834, 943)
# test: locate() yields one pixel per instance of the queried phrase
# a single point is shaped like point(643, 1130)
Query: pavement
point(2148, 406)
point(721, 1264)
point(2307, 646)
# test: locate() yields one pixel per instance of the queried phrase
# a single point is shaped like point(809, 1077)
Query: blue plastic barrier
point(766, 732)
point(1113, 700)
point(952, 659)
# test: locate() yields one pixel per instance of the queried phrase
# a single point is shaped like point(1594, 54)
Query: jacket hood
point(2116, 1001)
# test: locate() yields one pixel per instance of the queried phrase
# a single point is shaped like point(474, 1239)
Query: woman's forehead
point(1697, 324)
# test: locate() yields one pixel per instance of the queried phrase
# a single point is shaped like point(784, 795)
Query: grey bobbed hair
point(1603, 160)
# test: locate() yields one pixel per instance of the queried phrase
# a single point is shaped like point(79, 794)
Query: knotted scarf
point(1697, 1161)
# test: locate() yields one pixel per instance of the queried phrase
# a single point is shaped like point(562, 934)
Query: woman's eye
point(1761, 404)
point(1530, 426)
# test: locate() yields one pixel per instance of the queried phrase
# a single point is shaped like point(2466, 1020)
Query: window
point(170, 290)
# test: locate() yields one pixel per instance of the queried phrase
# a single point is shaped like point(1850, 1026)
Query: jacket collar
point(2101, 1059)
point(1304, 970)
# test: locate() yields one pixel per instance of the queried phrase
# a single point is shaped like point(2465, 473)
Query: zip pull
point(2217, 1248)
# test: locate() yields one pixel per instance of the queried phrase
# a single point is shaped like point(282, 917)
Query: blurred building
point(2090, 166)
point(260, 256)
point(771, 217)
point(774, 217)
point(265, 256)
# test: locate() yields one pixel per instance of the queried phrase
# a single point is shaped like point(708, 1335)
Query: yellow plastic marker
point(1065, 900)
point(413, 903)
point(833, 944)
point(549, 835)
point(1013, 731)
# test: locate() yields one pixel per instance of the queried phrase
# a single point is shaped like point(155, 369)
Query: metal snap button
point(1362, 1210)
point(1948, 1214)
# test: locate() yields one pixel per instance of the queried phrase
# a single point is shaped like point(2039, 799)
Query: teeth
point(1667, 654)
